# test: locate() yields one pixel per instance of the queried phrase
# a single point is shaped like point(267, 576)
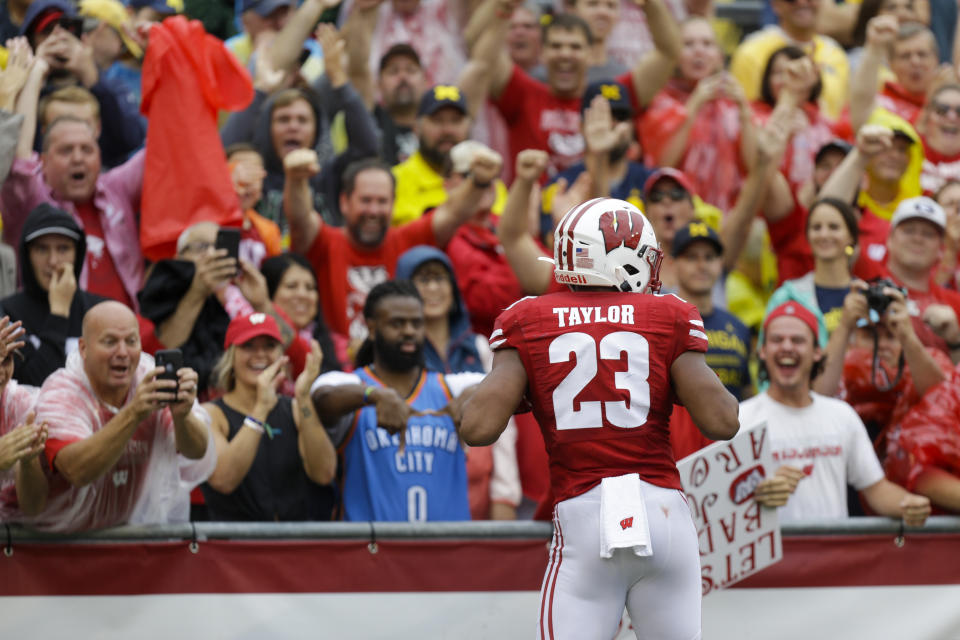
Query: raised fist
point(531, 163)
point(873, 138)
point(882, 31)
point(301, 163)
point(485, 167)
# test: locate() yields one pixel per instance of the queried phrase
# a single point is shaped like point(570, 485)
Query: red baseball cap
point(796, 310)
point(668, 172)
point(248, 327)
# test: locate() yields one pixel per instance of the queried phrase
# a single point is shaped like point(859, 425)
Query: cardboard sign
point(737, 536)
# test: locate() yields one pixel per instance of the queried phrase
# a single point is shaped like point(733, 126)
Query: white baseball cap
point(463, 154)
point(919, 207)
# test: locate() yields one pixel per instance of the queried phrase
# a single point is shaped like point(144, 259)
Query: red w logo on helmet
point(621, 228)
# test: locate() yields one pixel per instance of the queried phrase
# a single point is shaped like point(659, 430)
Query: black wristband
point(480, 185)
point(954, 346)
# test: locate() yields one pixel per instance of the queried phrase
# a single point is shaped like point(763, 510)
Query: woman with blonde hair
point(274, 458)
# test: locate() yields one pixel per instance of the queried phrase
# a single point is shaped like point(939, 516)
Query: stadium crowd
point(325, 207)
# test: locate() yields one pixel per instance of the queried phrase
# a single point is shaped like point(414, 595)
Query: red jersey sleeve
point(507, 333)
point(689, 332)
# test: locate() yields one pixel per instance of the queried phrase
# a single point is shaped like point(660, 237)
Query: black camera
point(876, 298)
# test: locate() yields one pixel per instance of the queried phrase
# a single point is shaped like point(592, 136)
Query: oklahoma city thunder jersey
point(427, 481)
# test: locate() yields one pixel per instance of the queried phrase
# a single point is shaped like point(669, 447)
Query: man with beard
point(400, 83)
point(442, 122)
point(394, 423)
point(820, 442)
point(351, 259)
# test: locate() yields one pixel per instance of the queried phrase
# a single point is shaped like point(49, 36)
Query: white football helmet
point(609, 243)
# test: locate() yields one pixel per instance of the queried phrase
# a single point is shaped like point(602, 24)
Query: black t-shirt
point(397, 143)
point(276, 488)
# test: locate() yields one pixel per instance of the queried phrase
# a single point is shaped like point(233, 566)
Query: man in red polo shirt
point(351, 260)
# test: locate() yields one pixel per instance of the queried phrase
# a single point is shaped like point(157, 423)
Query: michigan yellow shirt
point(750, 59)
point(420, 188)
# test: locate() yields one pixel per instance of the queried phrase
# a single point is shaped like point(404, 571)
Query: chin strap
point(654, 258)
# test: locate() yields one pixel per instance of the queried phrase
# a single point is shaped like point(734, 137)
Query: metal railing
point(11, 534)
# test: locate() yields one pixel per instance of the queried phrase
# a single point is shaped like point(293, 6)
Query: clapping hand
point(268, 382)
point(24, 442)
point(10, 337)
point(311, 370)
point(14, 77)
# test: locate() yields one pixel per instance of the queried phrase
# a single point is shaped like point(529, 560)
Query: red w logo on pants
point(626, 523)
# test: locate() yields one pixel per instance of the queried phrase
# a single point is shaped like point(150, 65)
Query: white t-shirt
point(828, 441)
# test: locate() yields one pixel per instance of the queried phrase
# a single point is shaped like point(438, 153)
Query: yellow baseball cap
point(114, 14)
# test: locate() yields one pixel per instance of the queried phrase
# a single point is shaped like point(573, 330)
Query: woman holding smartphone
point(274, 458)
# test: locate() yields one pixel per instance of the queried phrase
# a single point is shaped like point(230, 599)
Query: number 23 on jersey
point(587, 354)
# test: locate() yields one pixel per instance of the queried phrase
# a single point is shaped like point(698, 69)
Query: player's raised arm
point(486, 413)
point(714, 409)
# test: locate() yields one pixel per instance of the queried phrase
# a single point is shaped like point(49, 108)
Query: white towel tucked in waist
point(623, 517)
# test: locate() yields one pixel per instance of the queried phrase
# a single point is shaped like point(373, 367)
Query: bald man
point(117, 432)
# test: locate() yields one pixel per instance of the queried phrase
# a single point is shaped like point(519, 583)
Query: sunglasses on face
point(944, 109)
point(71, 25)
point(676, 194)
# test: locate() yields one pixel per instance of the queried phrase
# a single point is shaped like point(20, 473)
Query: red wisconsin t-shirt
point(102, 276)
point(599, 380)
point(537, 119)
point(347, 273)
point(871, 263)
point(917, 303)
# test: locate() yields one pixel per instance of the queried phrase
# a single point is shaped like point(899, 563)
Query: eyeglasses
point(944, 109)
point(676, 194)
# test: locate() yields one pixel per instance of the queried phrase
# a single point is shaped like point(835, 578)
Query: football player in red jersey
point(601, 366)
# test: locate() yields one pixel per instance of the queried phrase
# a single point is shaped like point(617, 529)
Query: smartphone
point(171, 360)
point(229, 238)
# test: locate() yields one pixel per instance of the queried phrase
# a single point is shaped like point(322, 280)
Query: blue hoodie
point(462, 352)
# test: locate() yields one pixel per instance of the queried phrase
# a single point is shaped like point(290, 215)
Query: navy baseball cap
point(42, 8)
point(615, 93)
point(399, 49)
point(264, 8)
point(836, 144)
point(695, 232)
point(442, 96)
